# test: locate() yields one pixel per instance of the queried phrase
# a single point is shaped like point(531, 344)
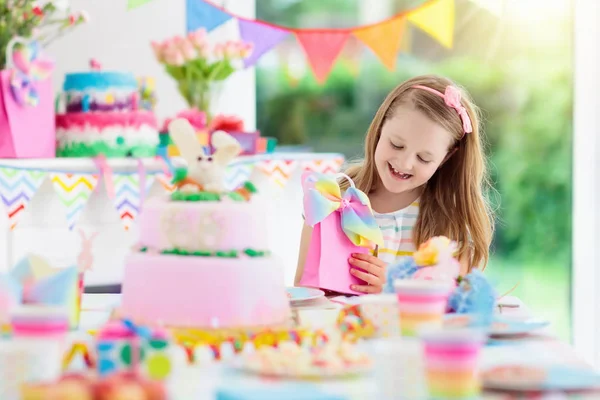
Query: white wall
point(120, 40)
point(586, 195)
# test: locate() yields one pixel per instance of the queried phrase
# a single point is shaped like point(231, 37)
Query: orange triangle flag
point(436, 18)
point(322, 48)
point(384, 39)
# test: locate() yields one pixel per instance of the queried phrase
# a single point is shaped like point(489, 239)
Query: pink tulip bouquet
point(42, 20)
point(198, 66)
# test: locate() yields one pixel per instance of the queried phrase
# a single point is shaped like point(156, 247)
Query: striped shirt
point(397, 228)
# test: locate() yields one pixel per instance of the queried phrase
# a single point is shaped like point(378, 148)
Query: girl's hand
point(373, 272)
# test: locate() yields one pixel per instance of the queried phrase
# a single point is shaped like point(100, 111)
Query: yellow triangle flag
point(383, 39)
point(436, 18)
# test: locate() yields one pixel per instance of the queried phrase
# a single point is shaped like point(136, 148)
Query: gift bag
point(342, 225)
point(27, 128)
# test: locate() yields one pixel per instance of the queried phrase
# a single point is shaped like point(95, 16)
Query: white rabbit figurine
point(204, 172)
point(85, 260)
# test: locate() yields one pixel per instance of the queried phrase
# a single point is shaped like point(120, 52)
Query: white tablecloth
point(201, 382)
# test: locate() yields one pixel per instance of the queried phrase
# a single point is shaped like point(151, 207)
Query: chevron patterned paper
point(17, 187)
point(127, 197)
point(165, 181)
point(74, 190)
point(279, 171)
point(236, 175)
point(326, 166)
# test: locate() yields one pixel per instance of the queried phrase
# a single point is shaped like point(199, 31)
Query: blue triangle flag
point(200, 14)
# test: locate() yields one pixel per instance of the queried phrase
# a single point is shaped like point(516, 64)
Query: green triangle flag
point(131, 4)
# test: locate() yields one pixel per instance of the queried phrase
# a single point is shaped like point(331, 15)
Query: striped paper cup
point(422, 303)
point(451, 363)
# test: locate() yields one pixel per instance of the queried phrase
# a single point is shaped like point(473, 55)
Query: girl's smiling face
point(410, 149)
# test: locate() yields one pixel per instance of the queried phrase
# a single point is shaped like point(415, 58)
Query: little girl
point(424, 172)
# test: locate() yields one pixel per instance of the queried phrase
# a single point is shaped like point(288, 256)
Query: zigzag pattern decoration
point(326, 166)
point(127, 197)
point(236, 175)
point(74, 191)
point(17, 188)
point(279, 171)
point(165, 181)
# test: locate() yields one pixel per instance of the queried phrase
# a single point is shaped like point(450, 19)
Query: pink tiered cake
point(202, 258)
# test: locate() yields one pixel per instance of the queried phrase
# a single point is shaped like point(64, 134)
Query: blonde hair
point(452, 203)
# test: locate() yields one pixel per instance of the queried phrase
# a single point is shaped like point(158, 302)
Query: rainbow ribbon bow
point(322, 196)
point(29, 67)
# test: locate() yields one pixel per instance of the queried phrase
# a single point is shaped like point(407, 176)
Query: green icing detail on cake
point(227, 254)
point(235, 196)
point(206, 253)
point(108, 150)
point(255, 253)
point(195, 197)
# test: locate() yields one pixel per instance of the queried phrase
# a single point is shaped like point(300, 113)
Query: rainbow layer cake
point(105, 113)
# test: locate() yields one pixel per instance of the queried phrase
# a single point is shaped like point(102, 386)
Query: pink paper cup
point(422, 303)
point(451, 362)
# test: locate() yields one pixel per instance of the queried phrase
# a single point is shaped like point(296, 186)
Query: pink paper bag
point(342, 225)
point(27, 127)
point(27, 131)
point(327, 264)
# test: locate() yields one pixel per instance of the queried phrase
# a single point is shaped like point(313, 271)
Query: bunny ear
point(81, 233)
point(226, 147)
point(183, 135)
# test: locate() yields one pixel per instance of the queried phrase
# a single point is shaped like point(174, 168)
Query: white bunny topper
point(207, 172)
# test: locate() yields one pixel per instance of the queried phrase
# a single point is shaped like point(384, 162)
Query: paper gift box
point(342, 225)
point(123, 346)
point(27, 127)
point(34, 281)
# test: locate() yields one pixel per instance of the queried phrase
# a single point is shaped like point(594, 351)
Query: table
point(201, 382)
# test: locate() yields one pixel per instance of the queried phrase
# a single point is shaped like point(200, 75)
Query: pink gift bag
point(342, 225)
point(27, 128)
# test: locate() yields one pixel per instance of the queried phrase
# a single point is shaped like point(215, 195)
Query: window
point(515, 59)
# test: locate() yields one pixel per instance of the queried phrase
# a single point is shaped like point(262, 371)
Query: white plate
point(503, 327)
point(315, 373)
point(533, 378)
point(303, 294)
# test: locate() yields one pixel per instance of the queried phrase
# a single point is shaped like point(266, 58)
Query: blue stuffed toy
point(476, 297)
point(405, 269)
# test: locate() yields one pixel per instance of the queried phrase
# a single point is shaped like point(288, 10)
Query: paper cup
point(399, 369)
point(422, 303)
point(382, 310)
point(451, 363)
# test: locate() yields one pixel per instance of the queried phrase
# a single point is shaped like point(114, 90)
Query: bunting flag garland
point(325, 166)
point(127, 197)
point(165, 181)
point(323, 46)
point(200, 14)
point(74, 191)
point(279, 171)
point(263, 36)
point(236, 175)
point(384, 40)
point(322, 49)
point(17, 188)
point(437, 19)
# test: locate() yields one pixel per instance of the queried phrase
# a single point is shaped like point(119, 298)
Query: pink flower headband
point(452, 99)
